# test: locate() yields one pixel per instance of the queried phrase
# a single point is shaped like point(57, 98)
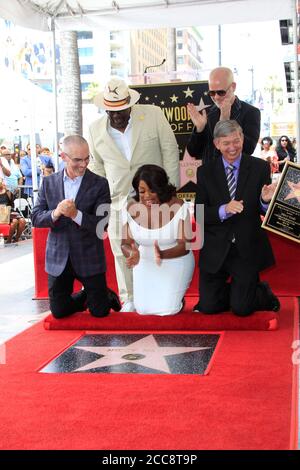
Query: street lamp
point(150, 67)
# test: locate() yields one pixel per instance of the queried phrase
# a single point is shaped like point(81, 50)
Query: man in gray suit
point(128, 136)
point(74, 203)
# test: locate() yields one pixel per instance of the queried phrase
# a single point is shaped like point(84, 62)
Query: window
point(180, 46)
point(286, 31)
point(85, 51)
point(86, 68)
point(113, 35)
point(85, 85)
point(180, 60)
point(84, 35)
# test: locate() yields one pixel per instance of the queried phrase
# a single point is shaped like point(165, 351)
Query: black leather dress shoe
point(81, 300)
point(273, 300)
point(114, 301)
point(99, 315)
point(276, 304)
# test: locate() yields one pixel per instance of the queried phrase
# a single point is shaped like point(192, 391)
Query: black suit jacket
point(251, 240)
point(201, 144)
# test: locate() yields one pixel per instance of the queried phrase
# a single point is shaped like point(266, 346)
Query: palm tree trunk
point(71, 85)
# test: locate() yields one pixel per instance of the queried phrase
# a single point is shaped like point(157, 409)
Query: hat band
point(115, 104)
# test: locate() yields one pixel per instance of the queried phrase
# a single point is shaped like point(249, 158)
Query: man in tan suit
point(128, 136)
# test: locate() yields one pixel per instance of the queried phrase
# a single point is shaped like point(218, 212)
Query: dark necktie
point(231, 180)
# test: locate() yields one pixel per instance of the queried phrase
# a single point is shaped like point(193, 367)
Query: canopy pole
point(34, 163)
point(54, 88)
point(296, 71)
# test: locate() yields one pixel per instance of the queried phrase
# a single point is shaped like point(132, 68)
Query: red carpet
point(284, 278)
point(187, 320)
point(245, 402)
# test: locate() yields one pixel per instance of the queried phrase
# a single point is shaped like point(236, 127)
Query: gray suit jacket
point(153, 142)
point(66, 238)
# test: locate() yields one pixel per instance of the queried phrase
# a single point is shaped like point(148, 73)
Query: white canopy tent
point(51, 15)
point(130, 14)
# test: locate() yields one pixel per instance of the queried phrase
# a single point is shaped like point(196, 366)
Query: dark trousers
point(244, 294)
point(63, 303)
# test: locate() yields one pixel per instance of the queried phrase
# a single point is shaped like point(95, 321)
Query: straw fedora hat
point(116, 96)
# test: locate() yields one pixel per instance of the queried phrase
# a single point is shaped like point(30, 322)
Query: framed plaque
point(283, 214)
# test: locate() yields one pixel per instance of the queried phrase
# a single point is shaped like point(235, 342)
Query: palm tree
point(274, 88)
point(71, 84)
point(93, 90)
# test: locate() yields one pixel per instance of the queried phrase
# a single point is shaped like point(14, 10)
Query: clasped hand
point(234, 207)
point(67, 208)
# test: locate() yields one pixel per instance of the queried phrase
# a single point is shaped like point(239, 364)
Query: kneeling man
point(68, 203)
point(235, 190)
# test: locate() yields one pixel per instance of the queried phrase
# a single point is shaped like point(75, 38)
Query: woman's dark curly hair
point(265, 140)
point(281, 152)
point(157, 180)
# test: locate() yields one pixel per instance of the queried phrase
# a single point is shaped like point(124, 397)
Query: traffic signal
point(17, 149)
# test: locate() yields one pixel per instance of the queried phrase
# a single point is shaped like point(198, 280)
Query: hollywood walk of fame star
point(174, 98)
point(295, 191)
point(144, 352)
point(202, 105)
point(188, 92)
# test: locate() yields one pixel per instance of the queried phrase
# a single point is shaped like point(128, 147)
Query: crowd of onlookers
point(277, 153)
point(16, 183)
point(20, 167)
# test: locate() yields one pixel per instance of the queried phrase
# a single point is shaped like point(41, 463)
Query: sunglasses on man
point(212, 93)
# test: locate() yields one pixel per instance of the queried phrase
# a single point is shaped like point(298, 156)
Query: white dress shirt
point(122, 139)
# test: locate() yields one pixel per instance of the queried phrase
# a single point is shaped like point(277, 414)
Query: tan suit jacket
point(152, 142)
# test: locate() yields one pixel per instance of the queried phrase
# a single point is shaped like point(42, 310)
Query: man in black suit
point(235, 190)
point(74, 203)
point(226, 106)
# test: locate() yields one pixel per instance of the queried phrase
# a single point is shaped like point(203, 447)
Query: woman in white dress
point(156, 239)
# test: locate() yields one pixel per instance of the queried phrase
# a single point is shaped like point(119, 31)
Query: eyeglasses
point(78, 160)
point(212, 93)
